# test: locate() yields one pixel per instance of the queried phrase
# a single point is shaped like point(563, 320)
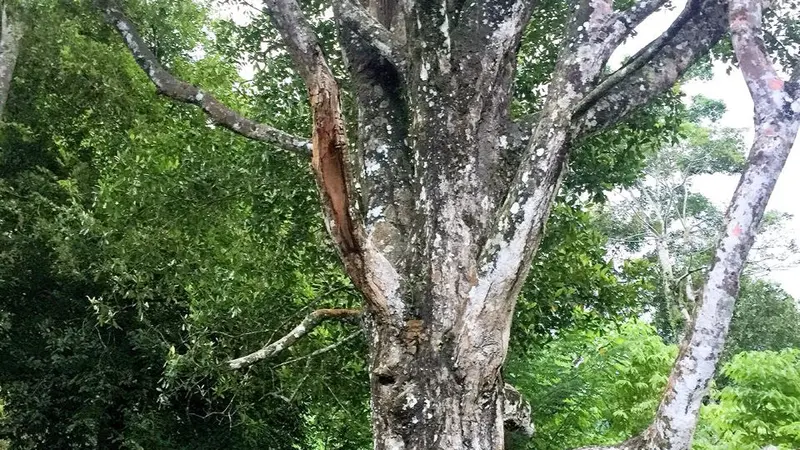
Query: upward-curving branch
point(654, 69)
point(179, 90)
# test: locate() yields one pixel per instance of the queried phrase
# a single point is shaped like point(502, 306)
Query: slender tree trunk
point(688, 383)
point(777, 120)
point(10, 35)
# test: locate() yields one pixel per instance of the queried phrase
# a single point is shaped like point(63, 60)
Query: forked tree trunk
point(438, 210)
point(456, 196)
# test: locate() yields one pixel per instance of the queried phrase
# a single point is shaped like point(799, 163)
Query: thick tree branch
point(654, 69)
point(181, 91)
point(621, 24)
point(300, 40)
point(350, 14)
point(519, 223)
point(310, 322)
point(639, 60)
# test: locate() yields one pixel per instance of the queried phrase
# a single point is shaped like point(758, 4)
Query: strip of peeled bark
point(10, 36)
point(331, 155)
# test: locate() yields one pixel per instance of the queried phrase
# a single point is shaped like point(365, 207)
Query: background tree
point(661, 215)
point(11, 31)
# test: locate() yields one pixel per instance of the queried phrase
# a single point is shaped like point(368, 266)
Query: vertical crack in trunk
point(329, 147)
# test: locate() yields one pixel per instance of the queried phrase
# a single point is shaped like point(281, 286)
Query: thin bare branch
point(179, 90)
point(310, 322)
point(352, 15)
point(323, 350)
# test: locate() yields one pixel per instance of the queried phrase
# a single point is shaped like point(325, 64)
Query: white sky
point(730, 89)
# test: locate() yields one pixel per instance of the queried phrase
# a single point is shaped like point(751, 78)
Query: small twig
point(689, 273)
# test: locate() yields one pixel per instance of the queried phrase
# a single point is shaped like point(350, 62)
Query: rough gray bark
point(10, 35)
point(454, 195)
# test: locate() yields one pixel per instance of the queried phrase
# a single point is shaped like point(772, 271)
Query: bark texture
point(10, 35)
point(776, 123)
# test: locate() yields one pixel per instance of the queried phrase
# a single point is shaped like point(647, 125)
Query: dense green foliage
point(766, 318)
point(760, 405)
point(573, 283)
point(134, 237)
point(594, 387)
point(602, 387)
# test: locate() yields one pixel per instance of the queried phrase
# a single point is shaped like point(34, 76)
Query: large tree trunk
point(456, 196)
point(429, 400)
point(439, 209)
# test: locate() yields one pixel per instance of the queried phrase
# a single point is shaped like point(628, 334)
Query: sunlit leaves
point(759, 406)
point(572, 282)
point(594, 387)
